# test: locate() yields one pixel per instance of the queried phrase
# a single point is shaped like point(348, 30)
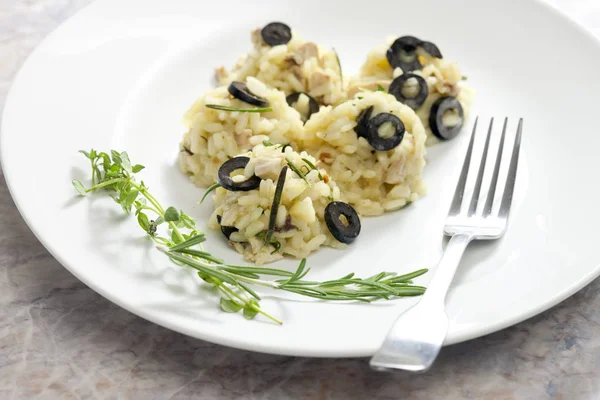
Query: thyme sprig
point(182, 242)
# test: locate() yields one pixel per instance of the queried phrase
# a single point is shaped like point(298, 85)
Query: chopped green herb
point(296, 170)
point(267, 143)
point(307, 161)
point(463, 78)
point(210, 189)
point(275, 204)
point(380, 88)
point(337, 57)
point(251, 110)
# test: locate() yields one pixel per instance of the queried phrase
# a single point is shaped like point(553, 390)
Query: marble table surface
point(59, 339)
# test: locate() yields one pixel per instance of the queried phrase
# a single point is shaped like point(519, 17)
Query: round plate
point(119, 75)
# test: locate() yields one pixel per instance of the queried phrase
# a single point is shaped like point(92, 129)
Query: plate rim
point(253, 345)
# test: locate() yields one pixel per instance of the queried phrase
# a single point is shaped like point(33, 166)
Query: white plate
point(120, 75)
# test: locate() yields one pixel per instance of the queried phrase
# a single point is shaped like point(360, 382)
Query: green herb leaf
point(251, 110)
point(85, 153)
point(275, 204)
point(310, 164)
point(79, 187)
point(229, 306)
point(296, 170)
point(175, 238)
point(125, 163)
point(210, 189)
point(249, 312)
point(267, 143)
point(337, 57)
point(143, 221)
point(137, 168)
point(463, 78)
point(380, 88)
point(171, 214)
point(116, 157)
point(189, 243)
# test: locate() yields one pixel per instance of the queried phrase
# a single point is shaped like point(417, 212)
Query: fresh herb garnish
point(307, 161)
point(251, 110)
point(210, 189)
point(183, 245)
point(463, 78)
point(267, 143)
point(380, 88)
point(275, 204)
point(297, 170)
point(337, 57)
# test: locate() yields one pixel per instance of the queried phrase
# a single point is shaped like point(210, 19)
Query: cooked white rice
point(215, 136)
point(443, 78)
point(300, 227)
point(372, 181)
point(297, 66)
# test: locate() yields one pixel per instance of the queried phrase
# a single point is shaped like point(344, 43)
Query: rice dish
point(300, 223)
point(292, 67)
point(372, 181)
point(214, 136)
point(443, 78)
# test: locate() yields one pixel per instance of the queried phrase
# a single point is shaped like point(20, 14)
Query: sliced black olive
point(436, 117)
point(313, 106)
point(413, 102)
point(276, 33)
point(374, 132)
point(226, 230)
point(362, 122)
point(403, 53)
point(432, 49)
point(224, 176)
point(342, 232)
point(240, 91)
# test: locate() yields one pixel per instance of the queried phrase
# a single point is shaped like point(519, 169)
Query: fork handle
point(440, 283)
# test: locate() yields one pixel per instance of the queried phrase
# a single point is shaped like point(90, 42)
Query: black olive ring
point(313, 106)
point(226, 230)
point(436, 117)
point(240, 91)
point(413, 102)
point(276, 33)
point(379, 143)
point(224, 176)
point(340, 231)
point(362, 121)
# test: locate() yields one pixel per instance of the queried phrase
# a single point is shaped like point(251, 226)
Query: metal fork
point(416, 337)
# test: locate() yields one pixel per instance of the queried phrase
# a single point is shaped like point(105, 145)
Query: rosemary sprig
point(182, 243)
point(227, 108)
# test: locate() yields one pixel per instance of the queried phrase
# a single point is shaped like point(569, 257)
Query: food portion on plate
point(415, 72)
point(374, 148)
point(230, 120)
point(273, 201)
point(296, 158)
point(283, 60)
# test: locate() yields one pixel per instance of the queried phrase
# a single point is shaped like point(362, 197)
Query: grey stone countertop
point(59, 339)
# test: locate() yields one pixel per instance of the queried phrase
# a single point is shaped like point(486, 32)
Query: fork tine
point(489, 202)
point(460, 186)
point(477, 189)
point(512, 175)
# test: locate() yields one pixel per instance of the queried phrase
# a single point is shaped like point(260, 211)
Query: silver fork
point(416, 337)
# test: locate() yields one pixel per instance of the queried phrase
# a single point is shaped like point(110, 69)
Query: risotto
point(373, 181)
point(243, 210)
point(296, 157)
point(282, 59)
point(428, 83)
point(214, 135)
